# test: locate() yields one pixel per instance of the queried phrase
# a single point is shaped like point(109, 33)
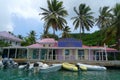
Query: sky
point(21, 16)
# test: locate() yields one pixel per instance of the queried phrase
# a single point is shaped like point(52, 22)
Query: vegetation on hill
point(92, 39)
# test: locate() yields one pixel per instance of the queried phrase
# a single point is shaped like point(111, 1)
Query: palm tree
point(32, 37)
point(116, 24)
point(114, 30)
point(84, 18)
point(105, 17)
point(48, 35)
point(20, 36)
point(104, 20)
point(66, 32)
point(53, 16)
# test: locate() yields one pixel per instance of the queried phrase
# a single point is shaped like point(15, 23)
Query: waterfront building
point(9, 38)
point(67, 49)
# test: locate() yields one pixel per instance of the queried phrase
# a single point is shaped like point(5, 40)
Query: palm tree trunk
point(80, 34)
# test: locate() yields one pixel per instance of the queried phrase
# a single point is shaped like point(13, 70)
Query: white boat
point(1, 64)
point(50, 68)
point(30, 66)
point(93, 67)
point(9, 63)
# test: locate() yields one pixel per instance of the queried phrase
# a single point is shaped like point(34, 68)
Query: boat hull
point(69, 67)
point(52, 68)
point(92, 67)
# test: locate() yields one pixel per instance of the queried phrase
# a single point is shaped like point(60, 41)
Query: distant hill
point(92, 39)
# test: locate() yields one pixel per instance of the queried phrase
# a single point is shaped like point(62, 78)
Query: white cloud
point(25, 9)
point(7, 27)
point(94, 5)
point(29, 9)
point(20, 8)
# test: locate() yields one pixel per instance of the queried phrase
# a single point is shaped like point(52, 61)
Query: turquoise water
point(15, 74)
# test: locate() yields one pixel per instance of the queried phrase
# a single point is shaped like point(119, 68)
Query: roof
point(47, 40)
point(9, 36)
point(37, 45)
point(111, 50)
point(107, 48)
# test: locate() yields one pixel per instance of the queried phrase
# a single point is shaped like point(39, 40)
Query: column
point(8, 52)
point(99, 56)
point(52, 54)
point(102, 55)
point(39, 54)
point(76, 54)
point(89, 55)
point(48, 54)
point(105, 54)
point(28, 57)
point(95, 56)
point(15, 52)
point(63, 54)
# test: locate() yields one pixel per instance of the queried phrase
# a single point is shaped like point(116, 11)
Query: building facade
point(48, 49)
point(9, 38)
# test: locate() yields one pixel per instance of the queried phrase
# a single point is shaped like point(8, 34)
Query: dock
point(101, 63)
point(113, 63)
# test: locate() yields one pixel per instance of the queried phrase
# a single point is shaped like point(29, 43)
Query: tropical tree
point(49, 36)
point(25, 42)
point(114, 30)
point(105, 17)
point(66, 32)
point(32, 37)
point(20, 36)
point(4, 44)
point(84, 19)
point(54, 15)
point(104, 20)
point(116, 24)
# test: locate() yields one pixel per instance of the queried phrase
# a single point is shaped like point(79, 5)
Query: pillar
point(15, 52)
point(89, 55)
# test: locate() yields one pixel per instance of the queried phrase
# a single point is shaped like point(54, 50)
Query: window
point(16, 43)
point(10, 42)
point(43, 45)
point(81, 54)
point(67, 52)
point(36, 54)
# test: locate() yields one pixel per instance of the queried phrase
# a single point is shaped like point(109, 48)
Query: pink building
point(67, 49)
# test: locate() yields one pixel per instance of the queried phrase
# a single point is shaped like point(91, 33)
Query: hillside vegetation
point(92, 39)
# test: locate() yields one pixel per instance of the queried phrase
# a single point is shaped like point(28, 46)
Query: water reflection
point(15, 74)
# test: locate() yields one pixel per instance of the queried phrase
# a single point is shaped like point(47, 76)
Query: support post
point(15, 52)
